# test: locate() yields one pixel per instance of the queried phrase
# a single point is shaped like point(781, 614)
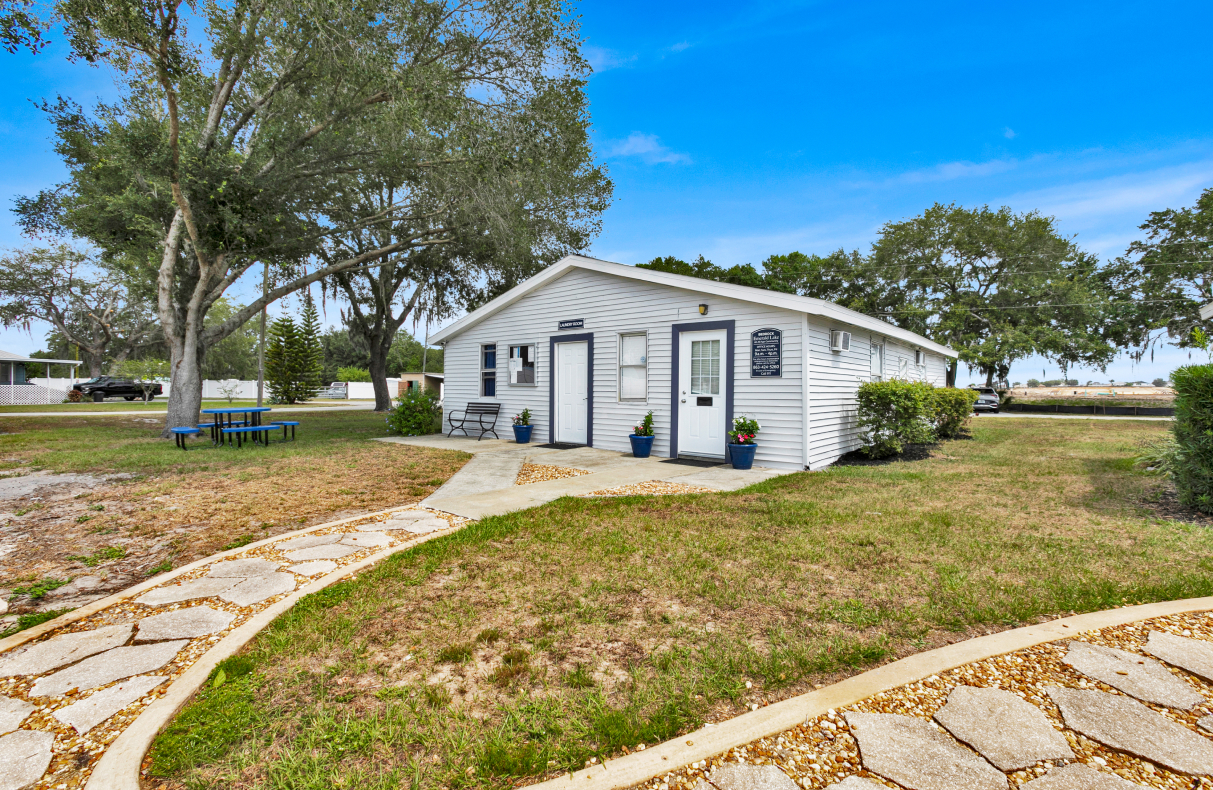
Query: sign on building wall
point(575, 323)
point(766, 353)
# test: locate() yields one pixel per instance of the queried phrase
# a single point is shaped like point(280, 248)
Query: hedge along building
point(590, 346)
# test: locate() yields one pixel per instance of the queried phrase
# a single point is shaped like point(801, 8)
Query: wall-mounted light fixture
point(703, 309)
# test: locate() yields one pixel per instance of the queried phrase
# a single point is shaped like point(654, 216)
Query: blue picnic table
point(251, 417)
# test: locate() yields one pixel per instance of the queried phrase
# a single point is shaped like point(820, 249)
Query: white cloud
point(602, 59)
point(680, 46)
point(1008, 133)
point(950, 171)
point(647, 147)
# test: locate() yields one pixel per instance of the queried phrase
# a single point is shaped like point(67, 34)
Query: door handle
point(684, 400)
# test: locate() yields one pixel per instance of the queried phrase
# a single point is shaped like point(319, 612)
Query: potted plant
point(741, 442)
point(642, 437)
point(523, 427)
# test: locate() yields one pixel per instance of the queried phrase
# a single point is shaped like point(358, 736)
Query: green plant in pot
point(523, 427)
point(642, 437)
point(742, 446)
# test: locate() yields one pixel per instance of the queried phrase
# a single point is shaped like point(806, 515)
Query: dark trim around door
point(701, 326)
point(587, 338)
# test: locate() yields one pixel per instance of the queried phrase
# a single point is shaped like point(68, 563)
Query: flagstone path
point(1120, 708)
point(67, 694)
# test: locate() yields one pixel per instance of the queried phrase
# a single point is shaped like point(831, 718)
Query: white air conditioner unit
point(920, 357)
point(839, 340)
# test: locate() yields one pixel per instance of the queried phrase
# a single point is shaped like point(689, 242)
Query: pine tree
point(311, 365)
point(282, 355)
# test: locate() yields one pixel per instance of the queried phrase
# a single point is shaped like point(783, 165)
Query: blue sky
point(740, 130)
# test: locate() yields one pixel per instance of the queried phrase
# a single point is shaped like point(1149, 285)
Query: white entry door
point(572, 392)
point(702, 389)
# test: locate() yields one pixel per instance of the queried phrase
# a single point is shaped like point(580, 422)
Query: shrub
point(893, 414)
point(1193, 460)
point(353, 374)
point(416, 413)
point(645, 426)
point(1159, 456)
point(950, 410)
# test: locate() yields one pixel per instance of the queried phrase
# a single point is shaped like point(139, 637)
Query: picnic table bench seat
point(239, 432)
point(179, 435)
point(284, 423)
point(481, 411)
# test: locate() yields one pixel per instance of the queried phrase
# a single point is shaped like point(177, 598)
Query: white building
point(590, 347)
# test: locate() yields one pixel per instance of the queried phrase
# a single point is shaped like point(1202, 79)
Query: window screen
point(633, 366)
point(705, 367)
point(522, 364)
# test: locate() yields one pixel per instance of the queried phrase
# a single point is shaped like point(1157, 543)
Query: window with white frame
point(488, 370)
point(522, 365)
point(634, 366)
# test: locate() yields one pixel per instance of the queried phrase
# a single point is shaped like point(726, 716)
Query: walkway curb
point(709, 741)
point(119, 767)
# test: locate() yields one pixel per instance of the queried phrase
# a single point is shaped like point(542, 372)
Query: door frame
point(588, 339)
point(702, 326)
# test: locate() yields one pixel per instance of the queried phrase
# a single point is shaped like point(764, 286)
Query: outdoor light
point(703, 309)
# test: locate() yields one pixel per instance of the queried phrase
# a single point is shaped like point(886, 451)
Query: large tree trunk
point(989, 377)
point(185, 393)
point(378, 367)
point(950, 376)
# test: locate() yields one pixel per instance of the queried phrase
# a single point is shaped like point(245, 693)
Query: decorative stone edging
point(119, 767)
point(80, 709)
point(712, 740)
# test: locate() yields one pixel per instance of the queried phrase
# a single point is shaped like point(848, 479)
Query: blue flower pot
point(742, 455)
point(522, 433)
point(641, 445)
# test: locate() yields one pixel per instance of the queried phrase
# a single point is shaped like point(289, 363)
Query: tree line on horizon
point(999, 286)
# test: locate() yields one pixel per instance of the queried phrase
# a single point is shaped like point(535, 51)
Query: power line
point(1033, 306)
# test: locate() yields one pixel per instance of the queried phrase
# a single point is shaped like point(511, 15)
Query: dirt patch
point(1163, 502)
point(104, 534)
point(914, 452)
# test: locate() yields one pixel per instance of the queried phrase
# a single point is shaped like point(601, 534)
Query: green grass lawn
point(529, 643)
point(138, 406)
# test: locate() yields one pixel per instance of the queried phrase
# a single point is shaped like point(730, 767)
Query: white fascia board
point(792, 302)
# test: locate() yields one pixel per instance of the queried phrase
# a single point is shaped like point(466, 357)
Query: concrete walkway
point(486, 486)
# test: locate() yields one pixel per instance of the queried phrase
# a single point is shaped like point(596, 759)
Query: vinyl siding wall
point(610, 306)
point(835, 377)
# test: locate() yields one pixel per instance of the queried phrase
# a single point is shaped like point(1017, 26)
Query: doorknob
point(684, 400)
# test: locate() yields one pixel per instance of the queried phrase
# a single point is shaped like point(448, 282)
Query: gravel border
point(714, 740)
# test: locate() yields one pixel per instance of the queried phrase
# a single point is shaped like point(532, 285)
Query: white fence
point(43, 390)
point(30, 395)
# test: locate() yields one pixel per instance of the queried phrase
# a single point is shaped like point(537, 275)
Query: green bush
point(893, 414)
point(416, 413)
point(1193, 460)
point(950, 410)
point(353, 374)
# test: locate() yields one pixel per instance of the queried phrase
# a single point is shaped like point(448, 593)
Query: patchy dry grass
point(530, 643)
point(170, 508)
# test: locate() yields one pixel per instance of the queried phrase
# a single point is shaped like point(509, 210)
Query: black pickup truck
point(104, 387)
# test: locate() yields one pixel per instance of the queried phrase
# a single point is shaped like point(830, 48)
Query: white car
point(987, 400)
point(335, 391)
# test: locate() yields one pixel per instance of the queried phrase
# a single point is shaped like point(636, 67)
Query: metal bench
point(238, 433)
point(179, 435)
point(284, 424)
point(480, 411)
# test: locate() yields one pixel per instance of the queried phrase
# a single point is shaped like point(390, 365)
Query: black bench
point(263, 430)
point(284, 424)
point(480, 411)
point(179, 435)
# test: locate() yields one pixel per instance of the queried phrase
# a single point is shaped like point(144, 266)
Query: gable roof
point(792, 302)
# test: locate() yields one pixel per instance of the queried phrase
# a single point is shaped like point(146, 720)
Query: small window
point(522, 365)
point(633, 366)
point(488, 371)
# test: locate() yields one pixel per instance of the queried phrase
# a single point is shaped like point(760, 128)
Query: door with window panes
point(702, 390)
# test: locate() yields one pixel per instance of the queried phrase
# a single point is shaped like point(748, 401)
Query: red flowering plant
point(744, 430)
